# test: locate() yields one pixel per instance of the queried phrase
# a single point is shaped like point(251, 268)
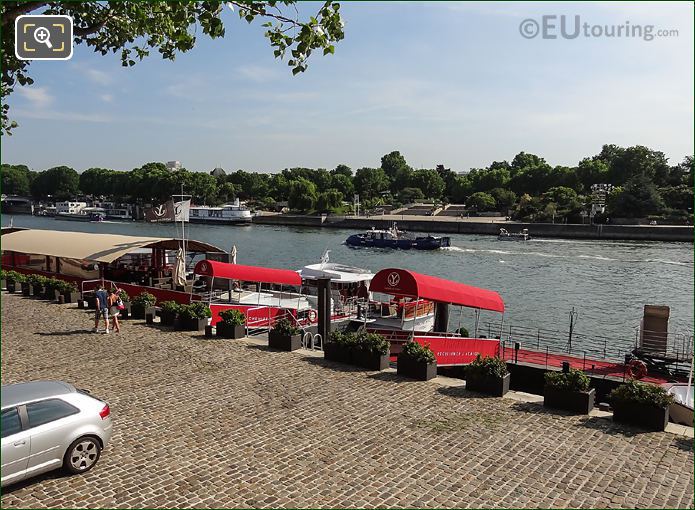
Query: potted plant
point(141, 303)
point(3, 279)
point(285, 336)
point(417, 362)
point(372, 351)
point(231, 324)
point(36, 284)
point(337, 348)
point(488, 375)
point(641, 404)
point(50, 287)
point(13, 278)
point(569, 391)
point(194, 317)
point(170, 311)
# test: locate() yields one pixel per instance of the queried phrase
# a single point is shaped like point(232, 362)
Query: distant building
point(173, 165)
point(218, 172)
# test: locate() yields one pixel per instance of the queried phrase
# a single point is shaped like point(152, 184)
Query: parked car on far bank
point(47, 425)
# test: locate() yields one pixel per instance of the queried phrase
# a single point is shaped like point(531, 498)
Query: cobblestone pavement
point(212, 423)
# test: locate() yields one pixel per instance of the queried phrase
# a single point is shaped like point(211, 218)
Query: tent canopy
point(92, 247)
point(247, 273)
point(402, 282)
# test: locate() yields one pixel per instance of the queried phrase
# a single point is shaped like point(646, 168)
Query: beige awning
point(93, 247)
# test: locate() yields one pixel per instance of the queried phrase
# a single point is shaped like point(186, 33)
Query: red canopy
point(247, 273)
point(408, 283)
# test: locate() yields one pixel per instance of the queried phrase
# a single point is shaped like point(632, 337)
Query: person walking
point(102, 309)
point(115, 305)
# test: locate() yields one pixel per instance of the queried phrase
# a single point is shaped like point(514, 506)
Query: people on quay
point(115, 307)
point(102, 309)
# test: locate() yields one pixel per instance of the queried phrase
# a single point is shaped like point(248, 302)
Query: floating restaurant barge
point(401, 305)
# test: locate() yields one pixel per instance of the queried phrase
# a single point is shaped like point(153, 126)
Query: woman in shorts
point(114, 309)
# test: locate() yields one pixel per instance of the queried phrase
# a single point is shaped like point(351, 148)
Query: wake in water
point(459, 249)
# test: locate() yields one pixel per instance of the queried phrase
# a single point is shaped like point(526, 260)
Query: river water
point(540, 281)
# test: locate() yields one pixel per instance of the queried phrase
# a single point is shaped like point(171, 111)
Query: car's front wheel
point(82, 454)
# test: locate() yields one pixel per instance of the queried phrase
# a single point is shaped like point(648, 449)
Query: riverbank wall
point(470, 226)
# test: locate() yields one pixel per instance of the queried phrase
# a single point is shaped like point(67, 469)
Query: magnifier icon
point(43, 36)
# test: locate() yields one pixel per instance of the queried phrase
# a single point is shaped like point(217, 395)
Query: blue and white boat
point(394, 238)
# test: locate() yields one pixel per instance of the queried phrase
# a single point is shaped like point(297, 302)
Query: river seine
point(607, 282)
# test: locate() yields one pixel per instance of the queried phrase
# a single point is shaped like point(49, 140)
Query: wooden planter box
point(284, 342)
point(645, 416)
point(336, 352)
point(92, 302)
point(370, 360)
point(71, 297)
point(190, 324)
point(489, 385)
point(11, 287)
point(168, 318)
point(224, 330)
point(27, 289)
point(49, 294)
point(137, 311)
point(580, 402)
point(408, 367)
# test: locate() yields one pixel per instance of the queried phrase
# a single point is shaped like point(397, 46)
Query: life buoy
point(636, 369)
point(312, 316)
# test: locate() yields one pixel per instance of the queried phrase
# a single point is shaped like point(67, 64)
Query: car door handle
point(20, 443)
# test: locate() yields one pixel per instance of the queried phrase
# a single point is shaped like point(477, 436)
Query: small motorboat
point(681, 411)
point(505, 235)
point(394, 238)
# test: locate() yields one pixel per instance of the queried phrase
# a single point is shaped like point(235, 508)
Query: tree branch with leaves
point(134, 28)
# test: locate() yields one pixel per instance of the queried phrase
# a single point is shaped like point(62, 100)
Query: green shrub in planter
point(642, 404)
point(12, 279)
point(488, 375)
point(194, 317)
point(417, 362)
point(371, 351)
point(170, 311)
point(36, 284)
point(337, 347)
point(231, 325)
point(569, 391)
point(140, 303)
point(285, 336)
point(463, 332)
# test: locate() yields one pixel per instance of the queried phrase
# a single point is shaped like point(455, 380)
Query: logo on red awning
point(393, 279)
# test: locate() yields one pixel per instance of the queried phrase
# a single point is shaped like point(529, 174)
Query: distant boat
point(227, 214)
point(504, 235)
point(394, 238)
point(93, 214)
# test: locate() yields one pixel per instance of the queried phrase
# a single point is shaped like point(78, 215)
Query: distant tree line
point(527, 188)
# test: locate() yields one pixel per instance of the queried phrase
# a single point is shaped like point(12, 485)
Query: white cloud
point(258, 74)
point(37, 96)
point(63, 116)
point(106, 97)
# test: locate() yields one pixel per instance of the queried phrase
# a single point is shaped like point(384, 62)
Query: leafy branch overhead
point(133, 29)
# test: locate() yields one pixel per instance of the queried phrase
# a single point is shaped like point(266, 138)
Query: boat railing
point(664, 345)
point(539, 346)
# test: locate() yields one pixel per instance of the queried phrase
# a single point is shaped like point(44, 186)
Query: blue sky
point(452, 83)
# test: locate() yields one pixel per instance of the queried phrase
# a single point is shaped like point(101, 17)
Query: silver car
point(50, 424)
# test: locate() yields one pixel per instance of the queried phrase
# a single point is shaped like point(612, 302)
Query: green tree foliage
point(396, 168)
point(134, 29)
point(96, 181)
point(60, 182)
point(410, 195)
point(343, 183)
point(429, 181)
point(481, 202)
point(342, 170)
point(370, 182)
point(505, 198)
point(638, 198)
point(16, 179)
point(302, 195)
point(329, 200)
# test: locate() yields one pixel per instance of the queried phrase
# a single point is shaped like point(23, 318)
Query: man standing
point(102, 309)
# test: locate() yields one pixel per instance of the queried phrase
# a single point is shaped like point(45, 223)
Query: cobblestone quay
point(213, 423)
